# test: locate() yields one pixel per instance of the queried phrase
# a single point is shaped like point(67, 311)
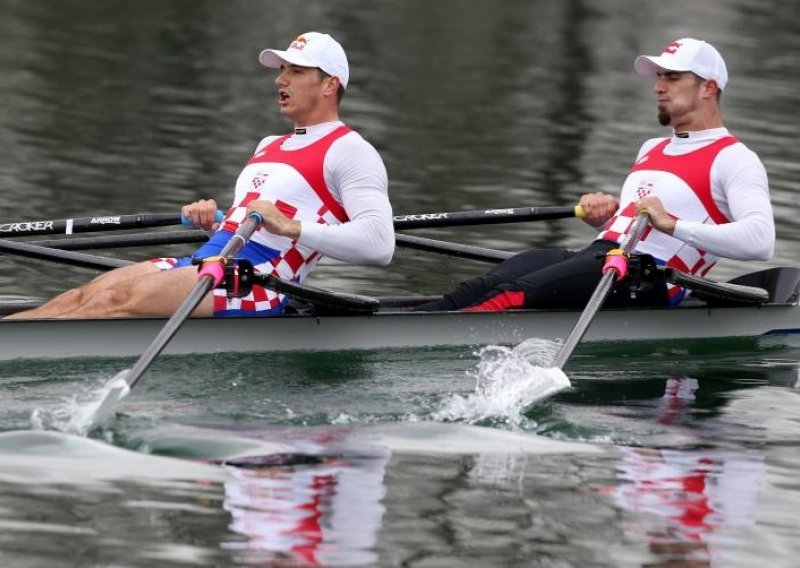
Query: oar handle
point(219, 217)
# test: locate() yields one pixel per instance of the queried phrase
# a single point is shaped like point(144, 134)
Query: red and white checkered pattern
point(259, 300)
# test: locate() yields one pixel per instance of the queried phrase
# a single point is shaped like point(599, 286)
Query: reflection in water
point(324, 514)
point(690, 497)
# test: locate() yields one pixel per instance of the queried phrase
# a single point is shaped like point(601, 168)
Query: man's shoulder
point(353, 139)
point(267, 140)
point(739, 151)
point(648, 145)
point(353, 144)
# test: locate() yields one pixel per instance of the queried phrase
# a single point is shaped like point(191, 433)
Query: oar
point(210, 275)
point(711, 291)
point(485, 217)
point(197, 236)
point(44, 250)
point(155, 238)
point(615, 268)
point(343, 302)
point(98, 223)
point(412, 221)
point(452, 249)
point(83, 260)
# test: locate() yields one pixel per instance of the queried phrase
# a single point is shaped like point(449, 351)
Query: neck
point(692, 122)
point(320, 117)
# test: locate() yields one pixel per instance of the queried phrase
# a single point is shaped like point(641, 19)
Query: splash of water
point(508, 382)
point(78, 413)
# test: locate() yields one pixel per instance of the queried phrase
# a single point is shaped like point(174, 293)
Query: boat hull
point(56, 339)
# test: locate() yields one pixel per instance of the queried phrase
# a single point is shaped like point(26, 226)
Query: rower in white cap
point(705, 192)
point(322, 190)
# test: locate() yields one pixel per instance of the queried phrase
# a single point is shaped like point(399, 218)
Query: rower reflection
point(693, 500)
point(327, 513)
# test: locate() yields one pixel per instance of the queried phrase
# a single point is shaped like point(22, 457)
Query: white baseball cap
point(311, 49)
point(686, 54)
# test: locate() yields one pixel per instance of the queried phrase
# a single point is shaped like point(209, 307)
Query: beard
point(664, 118)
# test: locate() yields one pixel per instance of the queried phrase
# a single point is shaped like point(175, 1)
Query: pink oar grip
point(213, 269)
point(616, 262)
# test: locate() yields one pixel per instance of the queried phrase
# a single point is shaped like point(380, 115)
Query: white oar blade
point(114, 391)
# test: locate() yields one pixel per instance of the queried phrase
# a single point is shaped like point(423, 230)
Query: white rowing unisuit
point(739, 189)
point(356, 177)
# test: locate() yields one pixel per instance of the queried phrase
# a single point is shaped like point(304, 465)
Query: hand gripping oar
point(485, 217)
point(615, 268)
point(98, 223)
point(211, 274)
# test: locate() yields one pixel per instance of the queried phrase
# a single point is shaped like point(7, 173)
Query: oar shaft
point(203, 286)
point(452, 249)
point(93, 224)
point(595, 302)
point(600, 293)
point(184, 236)
point(485, 217)
point(83, 260)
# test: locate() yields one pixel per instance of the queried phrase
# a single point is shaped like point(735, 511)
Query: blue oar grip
point(257, 216)
point(219, 217)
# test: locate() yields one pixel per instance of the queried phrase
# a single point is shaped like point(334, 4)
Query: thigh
point(566, 284)
point(118, 275)
point(160, 293)
point(571, 283)
point(528, 262)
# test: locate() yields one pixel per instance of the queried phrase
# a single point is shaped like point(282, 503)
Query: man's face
point(677, 95)
point(300, 92)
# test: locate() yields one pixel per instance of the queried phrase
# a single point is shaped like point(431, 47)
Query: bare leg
point(136, 290)
point(72, 299)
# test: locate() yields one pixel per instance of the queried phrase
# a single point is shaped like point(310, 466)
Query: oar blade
point(114, 391)
point(119, 387)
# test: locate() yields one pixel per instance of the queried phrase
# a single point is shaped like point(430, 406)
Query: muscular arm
point(355, 172)
point(742, 191)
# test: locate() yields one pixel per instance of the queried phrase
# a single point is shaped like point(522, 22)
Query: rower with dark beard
point(706, 194)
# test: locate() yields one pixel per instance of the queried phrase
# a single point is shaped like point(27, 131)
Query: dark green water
point(659, 455)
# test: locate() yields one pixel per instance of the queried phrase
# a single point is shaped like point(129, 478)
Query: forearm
point(750, 238)
point(367, 240)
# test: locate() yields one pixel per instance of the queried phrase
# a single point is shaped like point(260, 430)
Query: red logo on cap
point(299, 43)
point(672, 48)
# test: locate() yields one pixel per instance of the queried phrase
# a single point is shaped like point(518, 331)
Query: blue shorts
point(260, 302)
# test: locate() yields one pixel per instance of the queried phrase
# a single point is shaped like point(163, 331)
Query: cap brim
point(274, 58)
point(650, 65)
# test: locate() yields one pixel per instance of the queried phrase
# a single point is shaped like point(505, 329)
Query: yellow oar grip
point(579, 212)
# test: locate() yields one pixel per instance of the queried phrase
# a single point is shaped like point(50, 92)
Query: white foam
point(508, 381)
point(79, 413)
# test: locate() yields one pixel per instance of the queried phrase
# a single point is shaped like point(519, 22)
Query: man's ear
point(712, 87)
point(332, 86)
